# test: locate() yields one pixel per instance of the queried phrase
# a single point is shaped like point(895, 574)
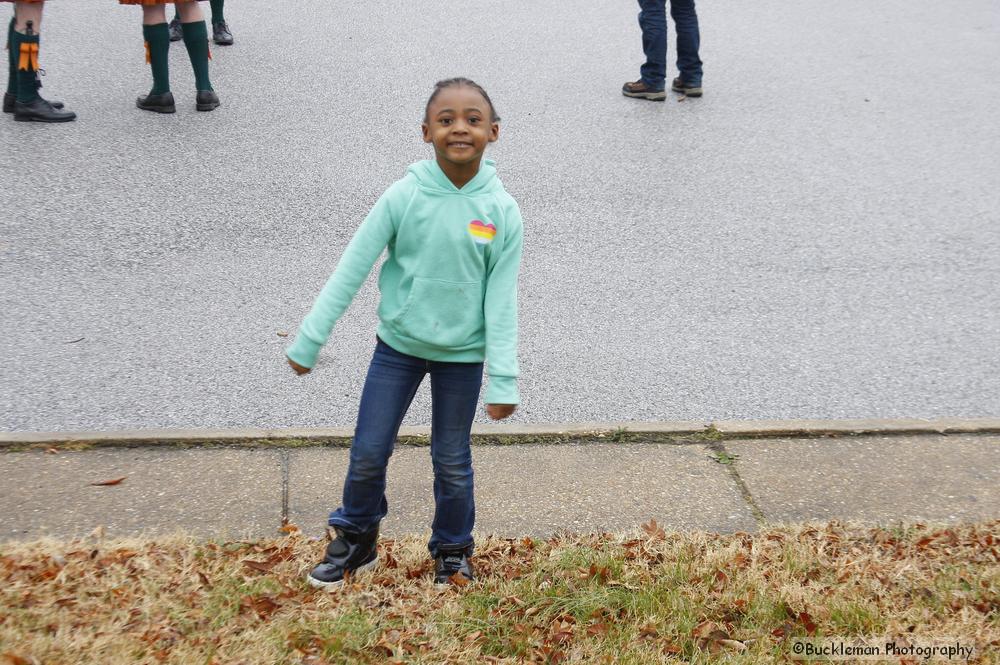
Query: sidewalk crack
point(719, 448)
point(284, 487)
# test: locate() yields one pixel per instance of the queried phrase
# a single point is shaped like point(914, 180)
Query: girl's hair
point(460, 81)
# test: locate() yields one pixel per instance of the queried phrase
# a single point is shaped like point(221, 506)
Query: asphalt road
point(818, 237)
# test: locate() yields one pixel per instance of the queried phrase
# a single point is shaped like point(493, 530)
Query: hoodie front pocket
point(442, 313)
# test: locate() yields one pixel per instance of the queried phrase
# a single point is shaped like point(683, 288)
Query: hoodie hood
point(431, 178)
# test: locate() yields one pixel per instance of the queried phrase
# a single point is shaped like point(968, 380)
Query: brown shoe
point(686, 89)
point(640, 90)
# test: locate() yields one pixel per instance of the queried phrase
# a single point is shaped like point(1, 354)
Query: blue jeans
point(392, 381)
point(653, 21)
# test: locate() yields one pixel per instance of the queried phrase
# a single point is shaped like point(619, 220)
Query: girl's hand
point(500, 411)
point(299, 369)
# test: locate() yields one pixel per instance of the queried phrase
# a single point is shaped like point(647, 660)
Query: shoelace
point(453, 561)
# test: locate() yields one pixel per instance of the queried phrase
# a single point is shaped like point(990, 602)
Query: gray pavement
point(873, 479)
point(815, 238)
point(222, 492)
point(537, 490)
point(520, 489)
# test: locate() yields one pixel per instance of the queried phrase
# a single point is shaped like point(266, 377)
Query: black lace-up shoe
point(221, 34)
point(686, 89)
point(40, 110)
point(452, 561)
point(348, 553)
point(176, 32)
point(163, 103)
point(9, 98)
point(207, 100)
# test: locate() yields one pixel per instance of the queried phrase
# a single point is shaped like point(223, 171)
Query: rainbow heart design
point(481, 232)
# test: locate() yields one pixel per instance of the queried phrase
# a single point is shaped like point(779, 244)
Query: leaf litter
point(113, 481)
point(649, 596)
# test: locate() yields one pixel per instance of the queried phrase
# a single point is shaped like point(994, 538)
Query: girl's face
point(459, 124)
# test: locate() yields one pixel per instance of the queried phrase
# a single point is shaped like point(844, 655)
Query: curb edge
point(501, 434)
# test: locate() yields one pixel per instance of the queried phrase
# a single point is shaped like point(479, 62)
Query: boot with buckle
point(349, 553)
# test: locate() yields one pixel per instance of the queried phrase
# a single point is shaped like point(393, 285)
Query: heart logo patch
point(481, 232)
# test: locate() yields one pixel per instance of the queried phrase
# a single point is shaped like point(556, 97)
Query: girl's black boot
point(350, 552)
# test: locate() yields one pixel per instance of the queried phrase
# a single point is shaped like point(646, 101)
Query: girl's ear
point(426, 129)
point(494, 131)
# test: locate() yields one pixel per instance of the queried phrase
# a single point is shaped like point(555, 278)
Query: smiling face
point(459, 123)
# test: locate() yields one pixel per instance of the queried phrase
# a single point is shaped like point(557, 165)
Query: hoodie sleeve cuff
point(502, 390)
point(303, 351)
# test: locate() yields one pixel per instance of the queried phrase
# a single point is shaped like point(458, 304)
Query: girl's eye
point(445, 121)
point(473, 120)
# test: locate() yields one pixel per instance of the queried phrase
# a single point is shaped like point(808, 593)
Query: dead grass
point(641, 598)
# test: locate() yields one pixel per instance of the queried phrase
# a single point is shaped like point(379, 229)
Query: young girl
point(448, 301)
point(157, 36)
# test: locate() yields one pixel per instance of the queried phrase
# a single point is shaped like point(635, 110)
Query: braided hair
point(460, 81)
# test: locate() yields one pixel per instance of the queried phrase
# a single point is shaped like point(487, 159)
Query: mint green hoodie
point(449, 284)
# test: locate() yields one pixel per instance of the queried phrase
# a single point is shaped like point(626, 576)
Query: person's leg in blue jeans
point(653, 21)
point(688, 40)
point(455, 397)
point(392, 381)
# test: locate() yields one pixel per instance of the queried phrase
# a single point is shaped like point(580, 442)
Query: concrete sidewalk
point(520, 489)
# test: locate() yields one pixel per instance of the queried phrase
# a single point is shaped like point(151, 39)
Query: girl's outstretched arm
point(364, 249)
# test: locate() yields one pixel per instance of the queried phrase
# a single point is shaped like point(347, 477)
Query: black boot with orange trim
point(10, 96)
point(29, 106)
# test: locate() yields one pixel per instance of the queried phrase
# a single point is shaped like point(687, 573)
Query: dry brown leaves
point(113, 481)
point(711, 637)
point(182, 601)
point(11, 658)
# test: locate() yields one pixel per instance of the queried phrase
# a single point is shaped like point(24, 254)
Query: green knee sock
point(196, 41)
point(11, 61)
point(24, 48)
point(157, 54)
point(217, 15)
